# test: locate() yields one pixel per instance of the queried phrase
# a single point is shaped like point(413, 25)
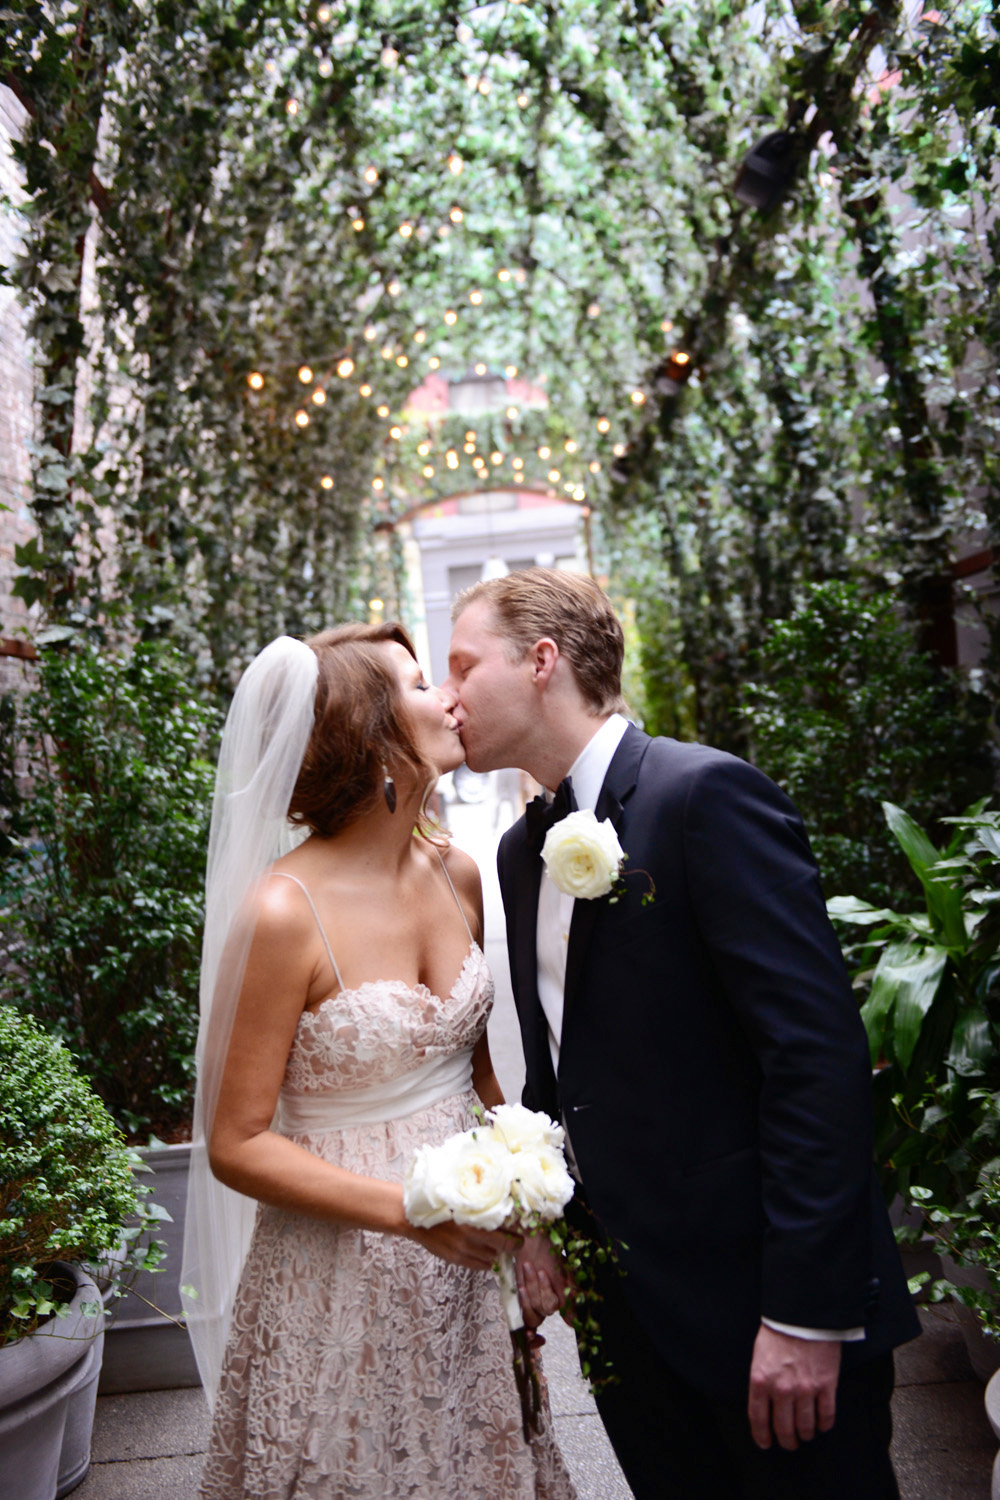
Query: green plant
point(932, 1007)
point(66, 1185)
point(846, 714)
point(101, 915)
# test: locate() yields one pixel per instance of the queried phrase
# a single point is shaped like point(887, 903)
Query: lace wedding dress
point(359, 1366)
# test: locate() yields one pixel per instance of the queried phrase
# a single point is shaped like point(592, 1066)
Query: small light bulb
point(594, 310)
point(423, 448)
point(270, 66)
point(395, 432)
point(394, 288)
point(255, 380)
point(376, 605)
point(455, 164)
point(451, 317)
point(666, 326)
point(603, 425)
point(323, 14)
point(475, 298)
point(402, 361)
point(570, 446)
point(319, 396)
point(468, 447)
point(327, 482)
point(594, 467)
point(305, 374)
point(680, 358)
point(463, 33)
point(618, 450)
point(480, 368)
point(365, 390)
point(434, 362)
point(554, 476)
point(451, 459)
point(484, 86)
point(520, 274)
point(470, 436)
point(496, 458)
point(378, 484)
point(302, 419)
point(456, 215)
point(419, 335)
point(503, 274)
point(390, 57)
point(345, 368)
point(510, 371)
point(357, 224)
point(382, 410)
point(406, 229)
point(544, 452)
point(370, 331)
point(638, 398)
point(444, 230)
point(511, 413)
point(428, 471)
point(386, 351)
point(517, 463)
point(292, 106)
point(523, 101)
point(371, 175)
point(325, 67)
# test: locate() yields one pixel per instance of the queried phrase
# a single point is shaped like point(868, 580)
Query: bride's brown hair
point(360, 727)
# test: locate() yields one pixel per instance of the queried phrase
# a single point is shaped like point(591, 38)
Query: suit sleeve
point(758, 902)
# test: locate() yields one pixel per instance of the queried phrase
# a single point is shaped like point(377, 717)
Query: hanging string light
point(618, 450)
point(326, 482)
point(469, 448)
point(511, 413)
point(406, 229)
point(479, 368)
point(428, 471)
point(638, 398)
point(570, 446)
point(423, 448)
point(386, 351)
point(419, 335)
point(402, 361)
point(319, 396)
point(323, 14)
point(325, 67)
point(396, 433)
point(390, 57)
point(255, 380)
point(544, 452)
point(371, 175)
point(603, 425)
point(594, 310)
point(302, 419)
point(451, 316)
point(444, 230)
point(394, 288)
point(594, 467)
point(305, 374)
point(434, 362)
point(455, 164)
point(370, 331)
point(382, 410)
point(292, 106)
point(378, 484)
point(554, 476)
point(455, 214)
point(510, 371)
point(503, 274)
point(345, 367)
point(365, 390)
point(517, 463)
point(357, 224)
point(451, 459)
point(470, 436)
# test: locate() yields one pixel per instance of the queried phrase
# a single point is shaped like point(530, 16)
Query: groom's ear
point(543, 655)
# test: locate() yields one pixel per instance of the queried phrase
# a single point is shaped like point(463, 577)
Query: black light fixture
point(672, 374)
point(766, 171)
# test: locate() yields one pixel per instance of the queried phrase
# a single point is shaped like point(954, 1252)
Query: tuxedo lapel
point(619, 785)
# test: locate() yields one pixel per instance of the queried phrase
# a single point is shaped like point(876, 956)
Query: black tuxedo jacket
point(714, 1072)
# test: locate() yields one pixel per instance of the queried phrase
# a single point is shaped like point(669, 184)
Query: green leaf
point(916, 980)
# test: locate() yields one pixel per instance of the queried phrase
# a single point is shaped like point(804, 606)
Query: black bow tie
point(541, 814)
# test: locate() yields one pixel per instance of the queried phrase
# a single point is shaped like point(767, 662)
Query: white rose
point(542, 1184)
point(523, 1129)
point(466, 1178)
point(582, 857)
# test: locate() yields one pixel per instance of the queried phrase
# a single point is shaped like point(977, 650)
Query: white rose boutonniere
point(582, 857)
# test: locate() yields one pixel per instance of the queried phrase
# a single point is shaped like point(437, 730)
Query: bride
point(344, 1006)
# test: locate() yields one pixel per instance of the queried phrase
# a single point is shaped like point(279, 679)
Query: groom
point(705, 1053)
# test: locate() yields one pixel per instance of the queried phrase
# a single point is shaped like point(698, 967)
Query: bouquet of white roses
point(509, 1173)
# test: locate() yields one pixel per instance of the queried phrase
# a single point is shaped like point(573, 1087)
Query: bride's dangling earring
point(389, 789)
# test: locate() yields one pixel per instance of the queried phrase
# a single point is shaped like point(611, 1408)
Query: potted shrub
point(101, 921)
point(66, 1194)
point(932, 1011)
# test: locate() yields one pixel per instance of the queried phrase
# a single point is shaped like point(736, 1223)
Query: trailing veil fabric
point(263, 744)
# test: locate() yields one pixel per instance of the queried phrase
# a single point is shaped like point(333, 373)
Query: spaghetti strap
point(326, 944)
point(455, 894)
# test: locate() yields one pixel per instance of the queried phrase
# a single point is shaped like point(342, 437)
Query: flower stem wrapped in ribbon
point(509, 1173)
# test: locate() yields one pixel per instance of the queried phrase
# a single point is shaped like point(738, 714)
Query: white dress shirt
point(555, 914)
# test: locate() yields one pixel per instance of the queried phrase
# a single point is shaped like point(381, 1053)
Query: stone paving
point(148, 1446)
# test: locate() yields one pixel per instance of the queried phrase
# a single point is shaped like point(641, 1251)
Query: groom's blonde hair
point(571, 610)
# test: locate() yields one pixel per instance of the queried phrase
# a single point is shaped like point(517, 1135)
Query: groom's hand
point(793, 1388)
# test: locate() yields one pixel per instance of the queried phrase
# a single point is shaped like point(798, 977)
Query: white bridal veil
point(263, 744)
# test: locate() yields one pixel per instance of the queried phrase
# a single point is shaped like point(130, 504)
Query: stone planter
point(48, 1389)
point(983, 1349)
point(145, 1350)
point(993, 1415)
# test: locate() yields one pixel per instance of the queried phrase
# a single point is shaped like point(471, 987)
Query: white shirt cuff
point(840, 1335)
